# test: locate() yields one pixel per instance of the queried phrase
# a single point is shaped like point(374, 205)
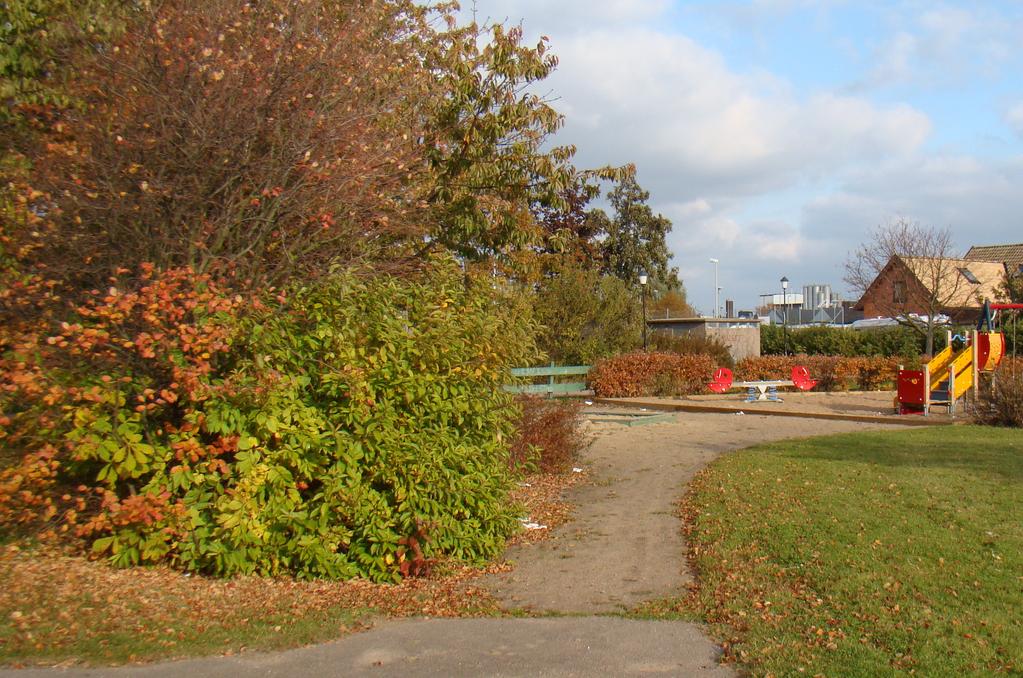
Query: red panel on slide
point(911, 387)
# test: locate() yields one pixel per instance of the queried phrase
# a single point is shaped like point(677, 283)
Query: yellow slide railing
point(938, 366)
point(962, 366)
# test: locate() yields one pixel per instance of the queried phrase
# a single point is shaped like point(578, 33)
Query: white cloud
point(566, 16)
point(941, 45)
point(975, 199)
point(949, 26)
point(894, 61)
point(707, 140)
point(775, 242)
point(690, 209)
point(769, 178)
point(669, 104)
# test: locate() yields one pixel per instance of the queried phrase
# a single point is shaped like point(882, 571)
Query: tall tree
point(635, 239)
point(586, 316)
point(271, 139)
point(928, 255)
point(1012, 287)
point(35, 36)
point(486, 143)
point(670, 304)
point(568, 233)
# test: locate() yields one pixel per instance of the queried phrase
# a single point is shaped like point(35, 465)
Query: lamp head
point(784, 283)
point(642, 277)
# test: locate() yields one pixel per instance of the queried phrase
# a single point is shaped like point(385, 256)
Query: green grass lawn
point(865, 554)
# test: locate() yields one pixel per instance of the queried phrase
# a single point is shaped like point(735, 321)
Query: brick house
point(908, 284)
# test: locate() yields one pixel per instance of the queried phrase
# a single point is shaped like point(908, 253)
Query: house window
point(969, 276)
point(899, 292)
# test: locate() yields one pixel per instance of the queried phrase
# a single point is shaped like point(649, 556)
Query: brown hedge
point(833, 373)
point(669, 374)
point(547, 434)
point(644, 373)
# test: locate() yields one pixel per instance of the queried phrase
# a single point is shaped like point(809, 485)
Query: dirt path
point(624, 545)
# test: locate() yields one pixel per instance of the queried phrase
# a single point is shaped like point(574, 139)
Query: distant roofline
point(696, 319)
point(1011, 244)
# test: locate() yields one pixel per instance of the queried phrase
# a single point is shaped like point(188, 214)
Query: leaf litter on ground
point(61, 608)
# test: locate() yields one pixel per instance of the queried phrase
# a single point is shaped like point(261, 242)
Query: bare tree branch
point(933, 282)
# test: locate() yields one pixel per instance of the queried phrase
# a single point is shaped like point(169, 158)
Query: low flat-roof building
point(740, 335)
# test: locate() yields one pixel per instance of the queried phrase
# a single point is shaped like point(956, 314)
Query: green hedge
point(823, 340)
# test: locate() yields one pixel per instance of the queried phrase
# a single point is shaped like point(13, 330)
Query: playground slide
point(961, 364)
point(939, 363)
point(950, 375)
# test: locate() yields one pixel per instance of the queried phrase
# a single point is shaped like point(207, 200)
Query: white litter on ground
point(588, 402)
point(576, 469)
point(530, 525)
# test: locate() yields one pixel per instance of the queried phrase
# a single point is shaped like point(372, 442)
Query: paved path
point(592, 646)
point(624, 546)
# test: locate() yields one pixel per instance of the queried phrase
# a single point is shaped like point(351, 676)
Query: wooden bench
point(552, 386)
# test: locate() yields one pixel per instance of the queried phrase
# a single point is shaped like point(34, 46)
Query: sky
point(776, 134)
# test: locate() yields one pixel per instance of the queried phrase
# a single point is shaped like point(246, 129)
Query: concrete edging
point(905, 420)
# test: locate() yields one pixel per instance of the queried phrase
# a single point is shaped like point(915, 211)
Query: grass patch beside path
point(864, 554)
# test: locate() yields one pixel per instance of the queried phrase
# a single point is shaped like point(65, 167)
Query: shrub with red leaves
point(645, 373)
point(833, 373)
point(547, 434)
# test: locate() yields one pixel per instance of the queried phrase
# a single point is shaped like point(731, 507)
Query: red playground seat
point(722, 380)
point(801, 378)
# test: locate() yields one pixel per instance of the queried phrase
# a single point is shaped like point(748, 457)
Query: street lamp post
point(785, 310)
point(642, 286)
point(717, 290)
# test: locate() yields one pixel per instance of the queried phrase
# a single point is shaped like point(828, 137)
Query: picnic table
point(766, 389)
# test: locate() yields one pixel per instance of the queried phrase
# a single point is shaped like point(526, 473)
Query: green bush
point(885, 342)
point(352, 428)
point(382, 421)
point(1012, 330)
point(824, 340)
point(772, 340)
point(586, 316)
